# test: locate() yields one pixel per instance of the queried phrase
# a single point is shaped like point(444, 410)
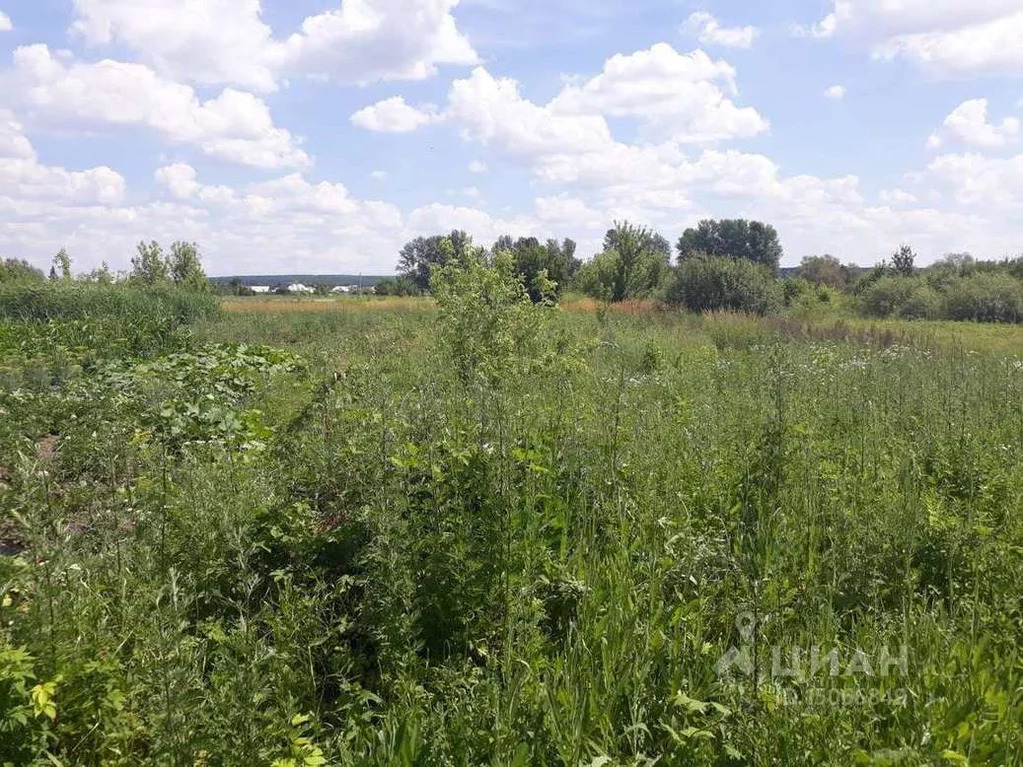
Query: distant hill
point(366, 280)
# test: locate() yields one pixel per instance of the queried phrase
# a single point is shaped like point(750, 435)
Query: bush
point(985, 297)
point(703, 283)
point(632, 265)
point(907, 297)
point(400, 286)
point(923, 303)
point(17, 270)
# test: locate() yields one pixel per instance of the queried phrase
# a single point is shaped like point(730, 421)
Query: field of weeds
point(478, 531)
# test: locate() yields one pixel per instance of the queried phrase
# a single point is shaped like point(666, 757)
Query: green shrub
point(704, 283)
point(632, 265)
point(923, 303)
point(985, 297)
point(907, 297)
point(18, 270)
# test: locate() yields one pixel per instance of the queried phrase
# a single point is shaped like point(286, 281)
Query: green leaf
point(954, 756)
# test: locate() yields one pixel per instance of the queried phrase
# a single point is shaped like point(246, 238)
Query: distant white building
point(260, 288)
point(341, 289)
point(298, 287)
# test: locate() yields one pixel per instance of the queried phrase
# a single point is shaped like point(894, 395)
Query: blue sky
point(318, 136)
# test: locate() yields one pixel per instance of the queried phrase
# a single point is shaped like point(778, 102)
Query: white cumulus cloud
point(710, 31)
point(234, 126)
point(227, 42)
point(393, 115)
point(943, 37)
point(969, 124)
point(23, 179)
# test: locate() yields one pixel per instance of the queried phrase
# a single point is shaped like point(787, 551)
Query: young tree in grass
point(148, 266)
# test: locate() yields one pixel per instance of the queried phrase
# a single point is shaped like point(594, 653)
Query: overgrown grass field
point(481, 532)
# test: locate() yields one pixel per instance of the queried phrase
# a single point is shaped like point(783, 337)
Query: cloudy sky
point(318, 136)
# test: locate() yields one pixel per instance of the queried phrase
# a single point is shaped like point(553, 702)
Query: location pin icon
point(746, 623)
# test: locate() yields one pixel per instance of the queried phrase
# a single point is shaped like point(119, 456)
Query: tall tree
point(185, 266)
point(148, 266)
point(903, 260)
point(422, 255)
point(537, 264)
point(61, 265)
point(632, 264)
point(661, 245)
point(733, 238)
point(824, 270)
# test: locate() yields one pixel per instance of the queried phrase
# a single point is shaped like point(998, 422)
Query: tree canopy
point(633, 264)
point(537, 262)
point(422, 255)
point(182, 266)
point(824, 270)
point(733, 238)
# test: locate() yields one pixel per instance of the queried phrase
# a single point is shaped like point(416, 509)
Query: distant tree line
point(728, 264)
point(532, 260)
point(733, 265)
point(151, 266)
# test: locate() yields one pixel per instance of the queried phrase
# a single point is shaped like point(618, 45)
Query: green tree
point(632, 264)
point(236, 288)
point(184, 265)
point(102, 275)
point(554, 260)
point(948, 268)
point(148, 266)
point(733, 238)
point(61, 265)
point(903, 260)
point(985, 297)
point(661, 245)
point(422, 255)
point(823, 270)
point(487, 319)
point(18, 270)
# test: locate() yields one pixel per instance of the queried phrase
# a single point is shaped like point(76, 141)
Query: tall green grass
point(502, 534)
point(44, 301)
